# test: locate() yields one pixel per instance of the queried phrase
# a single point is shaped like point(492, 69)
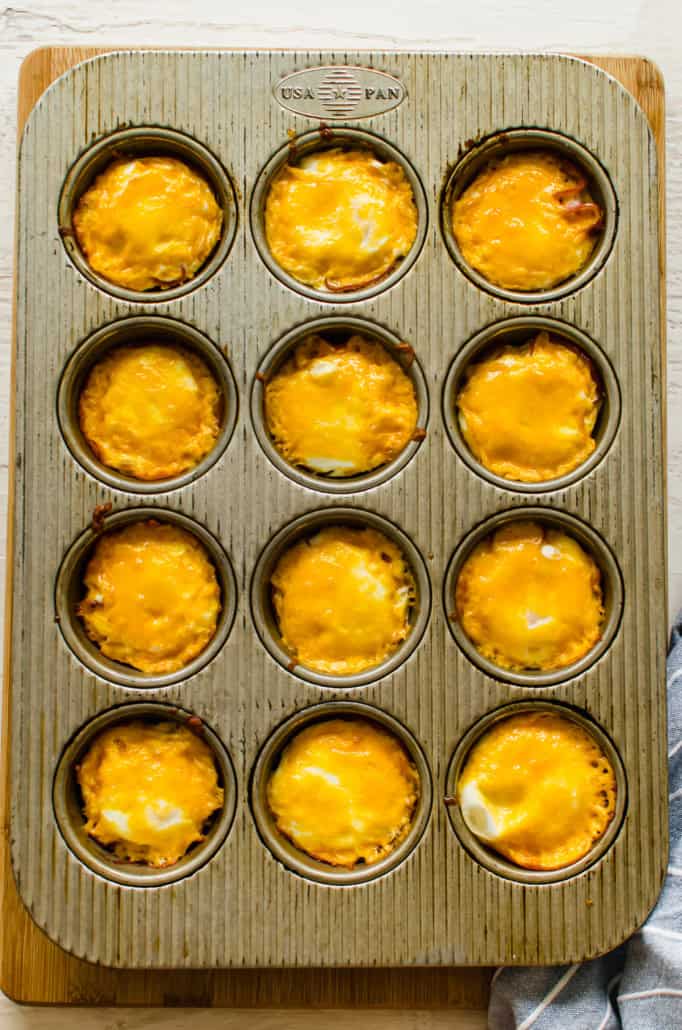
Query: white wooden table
point(649, 27)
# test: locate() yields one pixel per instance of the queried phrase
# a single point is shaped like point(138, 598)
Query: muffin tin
point(243, 898)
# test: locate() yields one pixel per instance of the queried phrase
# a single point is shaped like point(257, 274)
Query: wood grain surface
point(32, 969)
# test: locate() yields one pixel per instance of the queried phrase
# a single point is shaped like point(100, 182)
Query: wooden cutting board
point(33, 969)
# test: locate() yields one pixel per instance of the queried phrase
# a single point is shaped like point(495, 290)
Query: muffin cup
point(517, 331)
point(334, 328)
point(69, 592)
point(68, 803)
point(299, 862)
point(141, 329)
point(326, 139)
point(492, 860)
point(612, 587)
point(501, 144)
point(306, 525)
point(146, 141)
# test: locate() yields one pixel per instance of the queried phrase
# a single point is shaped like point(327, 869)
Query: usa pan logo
point(339, 92)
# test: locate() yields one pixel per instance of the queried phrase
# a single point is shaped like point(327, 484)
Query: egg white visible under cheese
point(342, 599)
point(538, 789)
point(344, 791)
point(530, 597)
point(148, 790)
point(340, 219)
point(340, 410)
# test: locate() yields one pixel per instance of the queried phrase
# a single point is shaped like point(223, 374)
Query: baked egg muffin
point(148, 223)
point(151, 410)
point(340, 219)
point(344, 792)
point(528, 412)
point(538, 789)
point(530, 597)
point(342, 599)
point(148, 791)
point(527, 221)
point(152, 598)
point(340, 409)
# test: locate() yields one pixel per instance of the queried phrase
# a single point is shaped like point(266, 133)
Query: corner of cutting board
point(40, 68)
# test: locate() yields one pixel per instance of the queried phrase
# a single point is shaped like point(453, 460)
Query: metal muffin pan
point(592, 543)
point(327, 138)
point(491, 859)
point(283, 849)
point(146, 141)
point(141, 328)
point(512, 141)
point(519, 331)
point(68, 803)
point(249, 906)
point(338, 328)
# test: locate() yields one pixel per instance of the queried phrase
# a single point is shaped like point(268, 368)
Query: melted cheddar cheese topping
point(148, 791)
point(527, 221)
point(527, 412)
point(344, 791)
point(340, 219)
point(530, 597)
point(340, 410)
point(538, 789)
point(152, 598)
point(151, 411)
point(148, 223)
point(342, 599)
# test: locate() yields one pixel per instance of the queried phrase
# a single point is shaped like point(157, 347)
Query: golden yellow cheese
point(527, 412)
point(340, 409)
point(150, 410)
point(344, 791)
point(538, 789)
point(152, 598)
point(340, 219)
point(527, 221)
point(342, 599)
point(148, 223)
point(530, 597)
point(148, 790)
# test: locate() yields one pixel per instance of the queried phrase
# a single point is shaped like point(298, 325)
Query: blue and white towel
point(636, 987)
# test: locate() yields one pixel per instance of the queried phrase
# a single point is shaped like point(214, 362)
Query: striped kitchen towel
point(636, 987)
